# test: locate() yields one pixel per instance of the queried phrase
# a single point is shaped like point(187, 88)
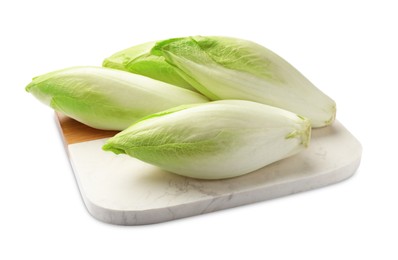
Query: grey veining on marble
point(121, 190)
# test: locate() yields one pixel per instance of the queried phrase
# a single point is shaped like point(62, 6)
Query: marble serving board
point(121, 190)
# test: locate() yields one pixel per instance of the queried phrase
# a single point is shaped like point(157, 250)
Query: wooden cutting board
point(122, 190)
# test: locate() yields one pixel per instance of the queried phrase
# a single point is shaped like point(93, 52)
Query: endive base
point(121, 190)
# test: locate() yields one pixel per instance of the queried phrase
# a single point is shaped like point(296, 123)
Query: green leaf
point(138, 59)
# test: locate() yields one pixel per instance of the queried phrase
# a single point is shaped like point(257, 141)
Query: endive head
point(105, 98)
point(230, 68)
point(215, 140)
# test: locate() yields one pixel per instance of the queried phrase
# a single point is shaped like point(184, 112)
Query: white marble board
point(121, 190)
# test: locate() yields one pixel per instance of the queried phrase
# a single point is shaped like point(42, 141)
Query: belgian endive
point(105, 98)
point(230, 68)
point(138, 59)
point(215, 140)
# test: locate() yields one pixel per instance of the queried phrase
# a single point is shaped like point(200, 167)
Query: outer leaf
point(105, 98)
point(138, 60)
point(215, 140)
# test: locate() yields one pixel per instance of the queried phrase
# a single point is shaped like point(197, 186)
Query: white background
point(349, 49)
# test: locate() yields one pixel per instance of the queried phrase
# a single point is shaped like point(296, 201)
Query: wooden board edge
point(76, 132)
